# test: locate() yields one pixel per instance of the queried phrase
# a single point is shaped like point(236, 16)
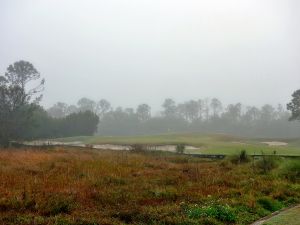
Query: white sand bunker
point(275, 143)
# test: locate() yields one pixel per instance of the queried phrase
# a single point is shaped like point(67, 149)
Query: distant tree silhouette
point(169, 106)
point(143, 112)
point(86, 104)
point(58, 110)
point(294, 106)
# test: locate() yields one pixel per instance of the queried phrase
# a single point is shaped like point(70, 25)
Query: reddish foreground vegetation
point(77, 186)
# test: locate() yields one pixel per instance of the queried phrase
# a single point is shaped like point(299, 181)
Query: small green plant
point(219, 212)
point(180, 148)
point(291, 170)
point(267, 163)
point(244, 156)
point(240, 158)
point(270, 204)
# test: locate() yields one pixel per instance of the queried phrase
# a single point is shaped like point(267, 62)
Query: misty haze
point(150, 112)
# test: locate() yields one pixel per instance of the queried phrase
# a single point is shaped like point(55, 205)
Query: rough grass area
point(78, 186)
point(207, 143)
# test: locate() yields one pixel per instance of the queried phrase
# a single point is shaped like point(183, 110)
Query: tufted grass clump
point(220, 212)
point(242, 157)
point(291, 170)
point(58, 204)
point(270, 204)
point(267, 163)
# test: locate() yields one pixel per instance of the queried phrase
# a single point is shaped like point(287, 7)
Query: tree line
point(202, 115)
point(23, 118)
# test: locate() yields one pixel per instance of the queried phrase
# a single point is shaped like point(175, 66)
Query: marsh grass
point(79, 186)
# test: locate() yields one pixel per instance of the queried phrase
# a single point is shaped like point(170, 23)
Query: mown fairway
point(78, 186)
point(208, 144)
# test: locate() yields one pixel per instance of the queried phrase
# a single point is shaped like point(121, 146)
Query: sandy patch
point(275, 143)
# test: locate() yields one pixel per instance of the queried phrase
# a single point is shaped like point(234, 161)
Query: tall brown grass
point(80, 186)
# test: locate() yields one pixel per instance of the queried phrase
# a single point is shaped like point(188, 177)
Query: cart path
point(277, 213)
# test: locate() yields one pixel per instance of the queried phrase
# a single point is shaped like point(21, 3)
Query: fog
point(136, 51)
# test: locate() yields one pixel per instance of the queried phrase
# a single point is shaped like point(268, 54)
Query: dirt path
point(278, 214)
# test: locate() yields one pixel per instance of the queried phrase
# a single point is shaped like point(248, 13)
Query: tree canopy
point(17, 104)
point(294, 106)
point(22, 118)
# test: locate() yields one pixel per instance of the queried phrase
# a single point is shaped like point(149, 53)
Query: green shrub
point(240, 158)
point(219, 212)
point(291, 170)
point(270, 204)
point(267, 163)
point(244, 156)
point(180, 148)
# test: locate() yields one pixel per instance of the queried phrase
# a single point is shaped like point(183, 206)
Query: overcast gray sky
point(135, 51)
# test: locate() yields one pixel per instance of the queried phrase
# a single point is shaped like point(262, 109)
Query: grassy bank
point(74, 186)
